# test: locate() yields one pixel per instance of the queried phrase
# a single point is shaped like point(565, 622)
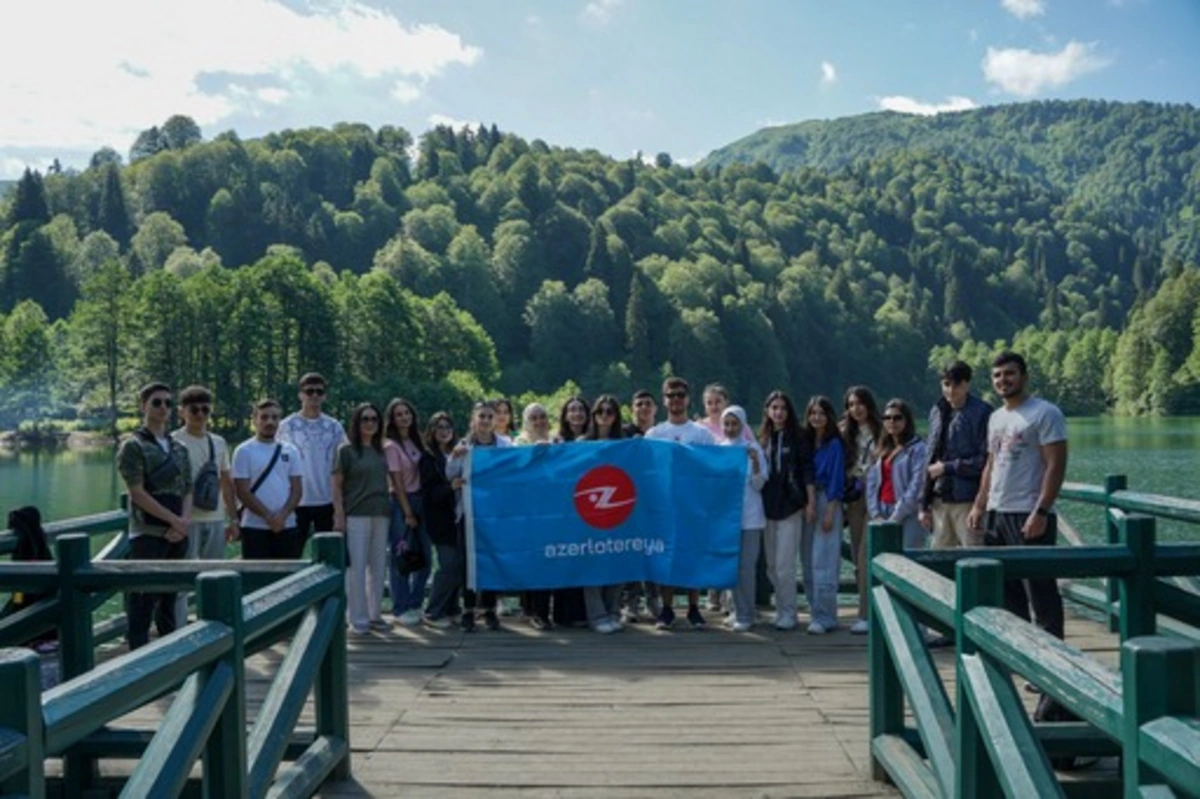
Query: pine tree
point(29, 200)
point(111, 215)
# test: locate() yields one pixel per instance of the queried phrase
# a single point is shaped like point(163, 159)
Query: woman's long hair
point(605, 401)
point(791, 425)
point(356, 427)
point(564, 427)
point(393, 433)
point(431, 428)
point(831, 427)
point(889, 443)
point(849, 424)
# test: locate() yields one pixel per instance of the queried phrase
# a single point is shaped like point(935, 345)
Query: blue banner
point(604, 512)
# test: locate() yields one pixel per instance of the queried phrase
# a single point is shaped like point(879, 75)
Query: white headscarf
point(739, 412)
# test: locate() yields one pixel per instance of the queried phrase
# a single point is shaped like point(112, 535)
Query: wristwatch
point(1042, 512)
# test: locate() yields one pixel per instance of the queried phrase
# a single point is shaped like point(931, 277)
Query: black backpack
point(206, 489)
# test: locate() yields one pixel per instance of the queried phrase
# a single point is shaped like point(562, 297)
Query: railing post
point(76, 649)
point(1112, 484)
point(1158, 678)
point(219, 599)
point(886, 693)
point(331, 692)
point(1136, 589)
point(21, 710)
point(980, 582)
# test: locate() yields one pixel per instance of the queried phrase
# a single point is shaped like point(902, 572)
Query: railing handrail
point(110, 521)
point(1160, 505)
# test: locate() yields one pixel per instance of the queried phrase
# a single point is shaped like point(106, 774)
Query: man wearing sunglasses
point(158, 477)
point(317, 436)
point(211, 526)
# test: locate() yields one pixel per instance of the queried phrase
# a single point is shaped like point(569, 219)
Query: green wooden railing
point(984, 742)
point(202, 664)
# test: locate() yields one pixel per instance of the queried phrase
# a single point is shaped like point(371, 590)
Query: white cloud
point(909, 105)
point(828, 74)
point(405, 91)
point(1026, 73)
point(133, 63)
point(448, 121)
point(12, 167)
point(599, 12)
point(1024, 9)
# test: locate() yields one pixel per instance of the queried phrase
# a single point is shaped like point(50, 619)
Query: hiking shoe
point(438, 623)
point(467, 622)
point(380, 625)
point(860, 627)
point(695, 619)
point(410, 618)
point(816, 628)
point(666, 619)
point(491, 621)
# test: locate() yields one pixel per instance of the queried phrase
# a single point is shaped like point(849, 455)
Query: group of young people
point(394, 487)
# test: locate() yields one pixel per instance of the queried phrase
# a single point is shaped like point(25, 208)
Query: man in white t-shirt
point(211, 527)
point(681, 430)
point(1027, 460)
point(267, 477)
point(317, 436)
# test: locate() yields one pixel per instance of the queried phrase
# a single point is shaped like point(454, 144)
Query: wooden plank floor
point(642, 713)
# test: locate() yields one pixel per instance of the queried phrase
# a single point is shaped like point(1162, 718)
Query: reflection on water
point(62, 483)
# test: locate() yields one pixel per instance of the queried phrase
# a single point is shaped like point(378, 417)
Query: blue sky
point(680, 76)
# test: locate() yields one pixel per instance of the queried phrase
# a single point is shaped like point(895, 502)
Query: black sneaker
point(695, 619)
point(491, 621)
point(468, 622)
point(666, 619)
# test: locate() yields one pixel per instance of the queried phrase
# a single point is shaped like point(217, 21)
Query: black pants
point(1004, 530)
point(313, 519)
point(258, 544)
point(141, 608)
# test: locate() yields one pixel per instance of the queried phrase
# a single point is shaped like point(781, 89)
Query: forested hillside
point(522, 266)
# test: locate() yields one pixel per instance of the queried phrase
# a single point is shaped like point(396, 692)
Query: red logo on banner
point(604, 497)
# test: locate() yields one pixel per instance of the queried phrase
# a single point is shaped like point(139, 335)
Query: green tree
point(155, 240)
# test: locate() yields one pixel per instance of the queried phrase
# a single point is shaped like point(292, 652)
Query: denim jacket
point(907, 468)
point(965, 454)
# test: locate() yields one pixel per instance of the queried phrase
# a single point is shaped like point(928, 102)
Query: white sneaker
point(784, 623)
point(604, 627)
point(410, 618)
point(861, 627)
point(816, 628)
point(740, 626)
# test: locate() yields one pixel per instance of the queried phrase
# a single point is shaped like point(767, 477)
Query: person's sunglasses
point(200, 410)
point(314, 392)
point(675, 394)
point(606, 412)
point(161, 402)
point(371, 419)
point(892, 417)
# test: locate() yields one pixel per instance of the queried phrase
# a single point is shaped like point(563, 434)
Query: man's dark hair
point(1007, 357)
point(957, 372)
point(313, 379)
point(194, 395)
point(263, 404)
point(642, 393)
point(675, 384)
point(150, 389)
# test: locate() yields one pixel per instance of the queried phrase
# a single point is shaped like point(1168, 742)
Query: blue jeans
point(408, 591)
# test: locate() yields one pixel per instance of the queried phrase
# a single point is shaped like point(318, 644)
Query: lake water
point(1160, 456)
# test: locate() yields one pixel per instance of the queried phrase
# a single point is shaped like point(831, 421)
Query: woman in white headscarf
point(754, 521)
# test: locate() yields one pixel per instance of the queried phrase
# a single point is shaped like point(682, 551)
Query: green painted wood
point(29, 623)
point(1096, 599)
point(287, 598)
point(128, 743)
point(37, 578)
point(1161, 506)
point(1171, 747)
point(930, 593)
point(1024, 563)
point(95, 524)
point(1019, 762)
point(1071, 738)
point(331, 693)
point(302, 778)
point(76, 649)
point(82, 705)
point(1112, 484)
point(886, 705)
point(980, 583)
point(1156, 792)
point(1161, 678)
point(1135, 591)
point(178, 575)
point(1085, 686)
point(904, 767)
point(164, 768)
point(1177, 603)
point(285, 699)
point(14, 755)
point(1083, 492)
point(21, 714)
point(219, 600)
point(923, 686)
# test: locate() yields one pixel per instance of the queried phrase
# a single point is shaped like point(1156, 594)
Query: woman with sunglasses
point(437, 505)
point(786, 495)
point(603, 602)
point(483, 434)
point(361, 510)
point(821, 538)
point(403, 449)
point(535, 430)
point(894, 480)
point(861, 429)
point(574, 422)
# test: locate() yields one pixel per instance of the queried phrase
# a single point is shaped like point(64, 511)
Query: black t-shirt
point(631, 430)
